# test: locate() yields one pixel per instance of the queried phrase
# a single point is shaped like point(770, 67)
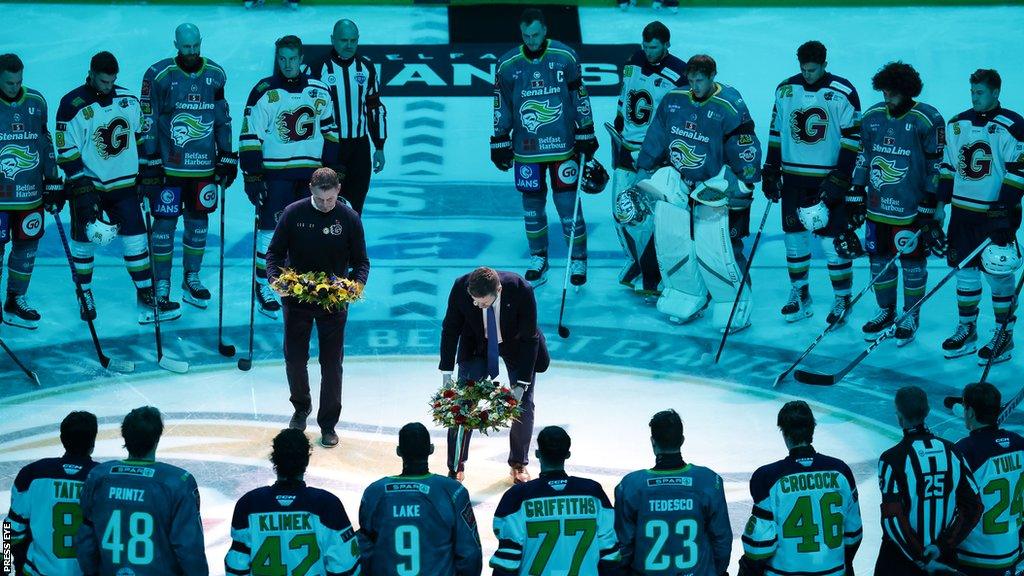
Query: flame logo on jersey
point(808, 126)
point(112, 138)
point(639, 107)
point(15, 159)
point(975, 160)
point(295, 125)
point(535, 113)
point(684, 156)
point(188, 127)
point(884, 172)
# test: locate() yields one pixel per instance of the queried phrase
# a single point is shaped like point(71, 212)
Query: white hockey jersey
point(98, 136)
point(643, 86)
point(982, 163)
point(815, 129)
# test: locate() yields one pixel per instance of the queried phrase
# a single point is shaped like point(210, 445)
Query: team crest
point(123, 103)
point(15, 159)
point(884, 172)
point(186, 128)
point(536, 113)
point(684, 156)
point(360, 78)
point(87, 113)
point(295, 125)
point(112, 138)
point(272, 96)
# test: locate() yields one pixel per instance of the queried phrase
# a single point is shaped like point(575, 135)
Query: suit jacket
point(522, 345)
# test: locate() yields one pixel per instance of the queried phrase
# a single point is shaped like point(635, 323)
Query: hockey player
point(140, 516)
point(898, 171)
point(982, 175)
point(532, 518)
point(288, 132)
point(28, 180)
point(705, 134)
point(930, 501)
point(648, 75)
point(996, 457)
point(812, 147)
point(99, 125)
point(291, 528)
point(673, 518)
point(418, 522)
point(45, 502)
point(806, 517)
point(189, 157)
point(543, 126)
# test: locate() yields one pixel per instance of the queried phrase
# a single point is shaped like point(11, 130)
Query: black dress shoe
point(329, 439)
point(298, 421)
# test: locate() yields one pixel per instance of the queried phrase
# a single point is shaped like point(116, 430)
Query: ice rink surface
point(623, 362)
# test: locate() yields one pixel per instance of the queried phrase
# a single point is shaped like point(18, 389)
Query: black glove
point(848, 244)
point(81, 186)
point(999, 224)
point(501, 152)
point(856, 207)
point(932, 236)
point(834, 188)
point(151, 173)
point(255, 188)
point(53, 195)
point(226, 169)
point(586, 141)
point(82, 195)
point(771, 182)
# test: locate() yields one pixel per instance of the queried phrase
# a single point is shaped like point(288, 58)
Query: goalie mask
point(813, 217)
point(1001, 260)
point(101, 232)
point(595, 177)
point(631, 208)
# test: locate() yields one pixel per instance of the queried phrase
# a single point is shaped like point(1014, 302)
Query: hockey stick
point(245, 364)
point(819, 379)
point(839, 320)
point(1002, 328)
point(743, 281)
point(32, 375)
point(167, 363)
point(617, 140)
point(224, 349)
point(105, 361)
point(563, 330)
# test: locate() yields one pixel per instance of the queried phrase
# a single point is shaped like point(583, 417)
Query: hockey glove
point(151, 173)
point(848, 244)
point(255, 189)
point(856, 207)
point(53, 195)
point(226, 169)
point(932, 236)
point(501, 152)
point(771, 182)
point(586, 141)
point(999, 224)
point(81, 186)
point(834, 188)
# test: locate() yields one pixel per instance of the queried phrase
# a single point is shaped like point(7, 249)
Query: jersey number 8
point(67, 517)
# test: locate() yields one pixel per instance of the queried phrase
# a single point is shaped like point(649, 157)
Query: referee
point(361, 116)
point(317, 234)
point(930, 501)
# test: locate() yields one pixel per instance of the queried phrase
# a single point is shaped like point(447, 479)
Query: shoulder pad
point(843, 85)
point(1012, 121)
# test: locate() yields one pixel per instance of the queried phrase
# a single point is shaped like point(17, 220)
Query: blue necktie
point(492, 343)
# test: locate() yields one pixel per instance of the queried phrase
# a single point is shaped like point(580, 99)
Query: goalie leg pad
point(684, 293)
point(666, 185)
point(719, 267)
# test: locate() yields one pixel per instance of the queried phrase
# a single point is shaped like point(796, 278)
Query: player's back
point(555, 525)
point(45, 505)
point(997, 459)
point(673, 522)
point(418, 525)
point(141, 517)
point(805, 515)
point(291, 528)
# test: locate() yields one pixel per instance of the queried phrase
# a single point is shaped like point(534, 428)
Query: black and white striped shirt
point(355, 90)
point(929, 495)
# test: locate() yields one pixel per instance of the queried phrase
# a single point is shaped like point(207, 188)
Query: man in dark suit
point(482, 303)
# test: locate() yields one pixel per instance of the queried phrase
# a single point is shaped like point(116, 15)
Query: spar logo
point(975, 160)
point(295, 125)
point(884, 172)
point(684, 156)
point(536, 113)
point(112, 138)
point(186, 128)
point(808, 126)
point(15, 159)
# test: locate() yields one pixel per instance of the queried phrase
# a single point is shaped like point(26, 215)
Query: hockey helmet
point(1001, 260)
point(100, 231)
point(813, 217)
point(595, 177)
point(631, 208)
